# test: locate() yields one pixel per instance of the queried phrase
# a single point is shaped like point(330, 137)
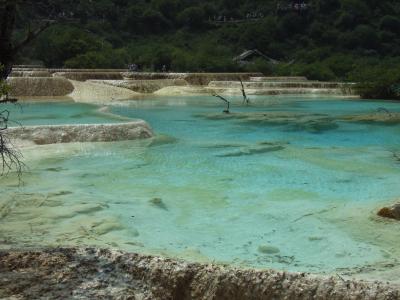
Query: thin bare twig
point(396, 156)
point(245, 98)
point(10, 156)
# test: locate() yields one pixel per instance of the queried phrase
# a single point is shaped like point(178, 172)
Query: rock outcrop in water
point(391, 212)
point(53, 134)
point(106, 274)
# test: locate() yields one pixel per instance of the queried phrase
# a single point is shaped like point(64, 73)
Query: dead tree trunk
point(245, 98)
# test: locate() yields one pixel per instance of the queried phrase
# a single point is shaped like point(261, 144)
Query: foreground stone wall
point(106, 274)
point(53, 134)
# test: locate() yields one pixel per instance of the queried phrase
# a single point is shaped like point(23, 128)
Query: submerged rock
point(60, 193)
point(162, 139)
point(158, 202)
point(107, 227)
point(388, 118)
point(314, 123)
point(315, 238)
point(267, 249)
point(391, 212)
point(252, 151)
point(53, 134)
point(223, 146)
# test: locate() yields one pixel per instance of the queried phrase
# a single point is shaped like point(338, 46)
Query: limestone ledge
point(280, 91)
point(97, 92)
point(196, 79)
point(83, 76)
point(88, 273)
point(97, 86)
point(54, 134)
point(143, 86)
point(39, 86)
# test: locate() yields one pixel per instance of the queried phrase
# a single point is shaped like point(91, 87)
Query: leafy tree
point(193, 17)
point(366, 37)
point(390, 23)
point(9, 48)
point(67, 42)
point(154, 22)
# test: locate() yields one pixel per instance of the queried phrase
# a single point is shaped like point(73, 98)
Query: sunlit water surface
point(245, 193)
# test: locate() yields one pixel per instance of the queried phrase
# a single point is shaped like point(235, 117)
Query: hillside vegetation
point(353, 40)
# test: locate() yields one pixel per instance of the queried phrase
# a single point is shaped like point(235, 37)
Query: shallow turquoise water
point(286, 196)
point(56, 113)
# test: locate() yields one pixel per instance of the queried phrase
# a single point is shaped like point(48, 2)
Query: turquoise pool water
point(287, 183)
point(56, 113)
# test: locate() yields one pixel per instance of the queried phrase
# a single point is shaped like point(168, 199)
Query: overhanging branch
point(32, 35)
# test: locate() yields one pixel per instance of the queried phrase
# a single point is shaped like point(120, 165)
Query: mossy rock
point(391, 212)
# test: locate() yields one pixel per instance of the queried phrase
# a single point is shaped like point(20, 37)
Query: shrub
point(390, 23)
point(378, 82)
point(315, 71)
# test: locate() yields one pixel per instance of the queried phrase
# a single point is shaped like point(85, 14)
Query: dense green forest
point(320, 39)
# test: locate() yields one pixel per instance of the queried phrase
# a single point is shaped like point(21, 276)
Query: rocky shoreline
point(88, 273)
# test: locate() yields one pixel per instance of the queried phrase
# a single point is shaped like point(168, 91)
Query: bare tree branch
point(10, 156)
point(226, 101)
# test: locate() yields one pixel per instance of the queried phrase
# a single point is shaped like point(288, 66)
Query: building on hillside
point(297, 6)
point(248, 56)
